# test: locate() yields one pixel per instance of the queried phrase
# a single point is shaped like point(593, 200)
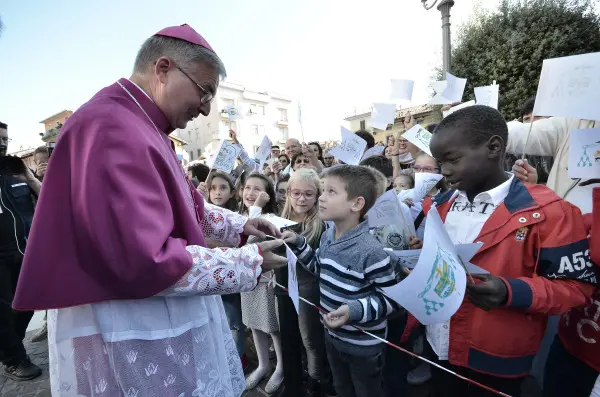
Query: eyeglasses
point(204, 99)
point(5, 139)
point(300, 161)
point(418, 168)
point(296, 194)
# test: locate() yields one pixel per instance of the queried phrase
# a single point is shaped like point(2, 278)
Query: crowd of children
point(535, 247)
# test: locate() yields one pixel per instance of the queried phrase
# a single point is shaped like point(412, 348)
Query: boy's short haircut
point(367, 136)
point(199, 171)
point(380, 163)
point(359, 181)
point(478, 124)
point(41, 150)
point(527, 106)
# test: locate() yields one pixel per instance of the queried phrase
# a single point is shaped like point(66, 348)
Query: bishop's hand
point(260, 228)
point(271, 261)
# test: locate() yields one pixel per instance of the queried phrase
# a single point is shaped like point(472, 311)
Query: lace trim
point(222, 225)
point(219, 271)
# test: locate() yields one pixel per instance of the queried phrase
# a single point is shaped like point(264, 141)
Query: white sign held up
point(402, 89)
point(292, 277)
point(351, 149)
point(233, 112)
point(570, 87)
point(487, 95)
point(455, 88)
point(439, 99)
point(424, 182)
point(382, 114)
point(435, 289)
point(263, 151)
point(224, 159)
point(419, 137)
point(376, 150)
point(584, 153)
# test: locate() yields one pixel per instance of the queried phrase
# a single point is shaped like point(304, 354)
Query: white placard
point(233, 112)
point(455, 88)
point(376, 150)
point(402, 89)
point(570, 87)
point(584, 153)
point(278, 221)
point(351, 150)
point(438, 98)
point(409, 258)
point(382, 114)
point(453, 109)
point(389, 210)
point(225, 157)
point(419, 137)
point(424, 182)
point(292, 277)
point(435, 289)
point(487, 95)
point(263, 151)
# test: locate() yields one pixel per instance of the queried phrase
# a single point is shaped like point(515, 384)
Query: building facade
point(423, 114)
point(261, 113)
point(53, 124)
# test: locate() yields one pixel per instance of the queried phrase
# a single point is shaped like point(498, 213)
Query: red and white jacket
point(537, 244)
point(579, 329)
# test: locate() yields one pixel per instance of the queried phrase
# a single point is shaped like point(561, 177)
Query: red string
point(404, 350)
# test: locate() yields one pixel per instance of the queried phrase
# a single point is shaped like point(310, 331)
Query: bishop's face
point(184, 92)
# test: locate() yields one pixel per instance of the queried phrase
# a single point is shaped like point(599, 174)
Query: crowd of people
point(151, 277)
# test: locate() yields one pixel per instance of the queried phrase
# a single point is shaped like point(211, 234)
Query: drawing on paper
point(585, 160)
point(441, 281)
point(574, 82)
point(423, 136)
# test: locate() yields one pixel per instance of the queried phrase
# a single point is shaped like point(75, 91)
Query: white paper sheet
point(409, 258)
point(438, 98)
point(382, 114)
point(435, 289)
point(487, 95)
point(448, 112)
point(278, 221)
point(376, 150)
point(584, 153)
point(225, 157)
point(388, 210)
point(570, 87)
point(351, 149)
point(263, 151)
point(292, 278)
point(419, 137)
point(402, 89)
point(424, 182)
point(233, 112)
point(455, 88)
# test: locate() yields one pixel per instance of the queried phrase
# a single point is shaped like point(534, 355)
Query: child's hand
point(307, 151)
point(276, 167)
point(271, 261)
point(415, 243)
point(524, 171)
point(289, 237)
point(489, 294)
point(337, 318)
point(262, 199)
point(203, 189)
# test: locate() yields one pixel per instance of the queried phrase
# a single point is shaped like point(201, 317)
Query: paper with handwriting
point(419, 137)
point(570, 87)
point(225, 157)
point(584, 153)
point(352, 148)
point(264, 150)
point(292, 277)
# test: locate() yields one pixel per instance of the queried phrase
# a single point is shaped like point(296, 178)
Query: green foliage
point(509, 45)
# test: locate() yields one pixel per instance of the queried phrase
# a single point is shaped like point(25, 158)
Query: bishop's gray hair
point(180, 51)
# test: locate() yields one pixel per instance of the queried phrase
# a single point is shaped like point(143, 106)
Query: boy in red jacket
point(534, 246)
point(573, 364)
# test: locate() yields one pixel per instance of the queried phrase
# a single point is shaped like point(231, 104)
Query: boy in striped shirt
point(351, 264)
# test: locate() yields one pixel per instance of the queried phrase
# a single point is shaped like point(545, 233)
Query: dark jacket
point(18, 198)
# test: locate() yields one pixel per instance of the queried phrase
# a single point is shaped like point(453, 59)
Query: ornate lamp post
point(444, 7)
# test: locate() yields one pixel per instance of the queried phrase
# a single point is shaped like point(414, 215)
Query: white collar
point(140, 88)
point(496, 195)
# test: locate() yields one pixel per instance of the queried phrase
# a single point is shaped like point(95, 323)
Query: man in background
point(18, 185)
point(40, 158)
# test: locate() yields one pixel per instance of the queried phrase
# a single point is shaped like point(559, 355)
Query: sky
point(332, 55)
